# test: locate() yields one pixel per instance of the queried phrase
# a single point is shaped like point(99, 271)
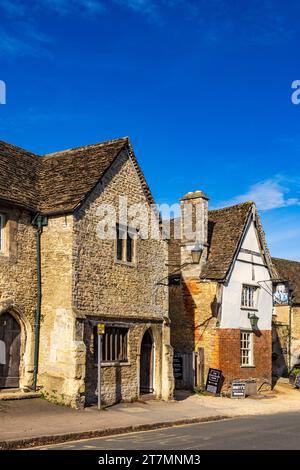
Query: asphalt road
point(279, 431)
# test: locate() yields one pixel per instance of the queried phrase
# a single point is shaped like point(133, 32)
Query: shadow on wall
point(111, 376)
point(181, 311)
point(279, 352)
point(118, 383)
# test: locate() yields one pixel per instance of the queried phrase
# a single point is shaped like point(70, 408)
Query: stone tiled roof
point(58, 182)
point(225, 229)
point(18, 175)
point(290, 271)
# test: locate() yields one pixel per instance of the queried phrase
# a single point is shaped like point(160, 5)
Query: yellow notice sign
point(100, 329)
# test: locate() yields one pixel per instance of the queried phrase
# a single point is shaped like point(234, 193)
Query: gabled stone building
point(286, 320)
point(58, 278)
point(215, 304)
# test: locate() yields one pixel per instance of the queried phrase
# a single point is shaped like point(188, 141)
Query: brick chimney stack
point(194, 230)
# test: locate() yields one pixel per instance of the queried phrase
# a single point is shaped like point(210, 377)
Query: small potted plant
point(293, 374)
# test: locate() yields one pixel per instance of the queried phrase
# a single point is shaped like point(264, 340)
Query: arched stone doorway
point(147, 363)
point(10, 351)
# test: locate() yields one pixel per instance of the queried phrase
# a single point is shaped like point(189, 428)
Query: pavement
point(279, 431)
point(29, 423)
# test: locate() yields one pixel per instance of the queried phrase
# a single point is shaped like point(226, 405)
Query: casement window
point(125, 244)
point(1, 233)
point(249, 296)
point(114, 345)
point(246, 348)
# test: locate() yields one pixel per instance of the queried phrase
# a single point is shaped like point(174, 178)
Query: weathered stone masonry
point(82, 282)
point(18, 281)
point(107, 290)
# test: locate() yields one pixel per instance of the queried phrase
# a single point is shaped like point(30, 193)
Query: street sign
point(100, 328)
point(281, 293)
point(238, 389)
point(100, 332)
point(214, 381)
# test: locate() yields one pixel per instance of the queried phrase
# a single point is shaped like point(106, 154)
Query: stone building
point(286, 320)
point(215, 303)
point(59, 278)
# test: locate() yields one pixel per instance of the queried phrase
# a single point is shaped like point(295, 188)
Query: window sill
point(113, 364)
point(125, 263)
point(247, 367)
point(251, 309)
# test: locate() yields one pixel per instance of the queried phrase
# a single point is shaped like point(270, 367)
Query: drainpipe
point(39, 222)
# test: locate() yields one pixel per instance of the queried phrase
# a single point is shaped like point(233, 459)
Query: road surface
point(278, 431)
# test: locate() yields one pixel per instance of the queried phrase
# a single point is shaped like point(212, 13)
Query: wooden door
point(146, 364)
point(10, 337)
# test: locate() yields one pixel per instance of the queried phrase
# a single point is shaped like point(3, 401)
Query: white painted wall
point(233, 316)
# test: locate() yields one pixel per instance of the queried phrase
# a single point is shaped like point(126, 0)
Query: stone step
point(17, 394)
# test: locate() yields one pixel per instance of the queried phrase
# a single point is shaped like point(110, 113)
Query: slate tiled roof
point(58, 182)
point(290, 271)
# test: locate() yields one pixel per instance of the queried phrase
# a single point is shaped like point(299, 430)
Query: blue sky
point(203, 88)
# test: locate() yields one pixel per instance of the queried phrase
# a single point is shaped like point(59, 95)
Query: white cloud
point(268, 194)
point(143, 6)
point(283, 233)
point(21, 8)
point(65, 7)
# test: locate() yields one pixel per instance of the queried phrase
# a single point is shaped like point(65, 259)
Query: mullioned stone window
point(114, 345)
point(125, 244)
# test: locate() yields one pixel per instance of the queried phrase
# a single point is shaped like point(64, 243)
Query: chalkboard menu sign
point(178, 367)
point(214, 381)
point(238, 389)
point(297, 381)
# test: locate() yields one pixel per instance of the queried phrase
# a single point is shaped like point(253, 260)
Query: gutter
point(39, 222)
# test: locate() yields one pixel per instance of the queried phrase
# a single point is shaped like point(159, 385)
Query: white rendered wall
point(233, 316)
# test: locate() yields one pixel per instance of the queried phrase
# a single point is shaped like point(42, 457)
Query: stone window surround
point(123, 261)
point(117, 324)
point(4, 228)
point(113, 361)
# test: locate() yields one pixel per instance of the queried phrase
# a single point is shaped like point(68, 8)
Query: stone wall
point(194, 310)
point(107, 290)
point(18, 281)
point(82, 283)
point(62, 351)
point(295, 335)
point(281, 339)
point(280, 349)
point(207, 298)
point(120, 381)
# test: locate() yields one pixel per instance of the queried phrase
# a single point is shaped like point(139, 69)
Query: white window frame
point(254, 296)
point(246, 348)
point(2, 238)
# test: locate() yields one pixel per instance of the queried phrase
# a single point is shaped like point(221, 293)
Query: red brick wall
point(229, 359)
